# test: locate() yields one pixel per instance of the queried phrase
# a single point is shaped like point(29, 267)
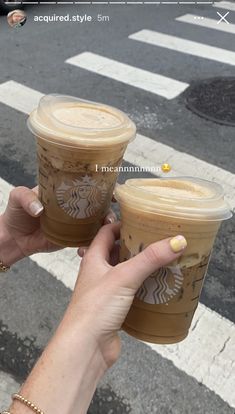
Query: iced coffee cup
point(152, 210)
point(80, 146)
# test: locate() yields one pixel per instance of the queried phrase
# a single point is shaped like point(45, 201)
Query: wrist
point(84, 364)
point(106, 344)
point(67, 374)
point(10, 252)
point(78, 334)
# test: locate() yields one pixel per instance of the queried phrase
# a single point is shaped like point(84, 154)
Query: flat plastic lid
point(67, 120)
point(182, 197)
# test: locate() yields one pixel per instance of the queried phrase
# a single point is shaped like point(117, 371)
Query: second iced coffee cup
point(152, 210)
point(80, 146)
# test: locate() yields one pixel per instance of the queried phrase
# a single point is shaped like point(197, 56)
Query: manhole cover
point(213, 99)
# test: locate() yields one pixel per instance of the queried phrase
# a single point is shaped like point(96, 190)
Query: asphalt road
point(35, 56)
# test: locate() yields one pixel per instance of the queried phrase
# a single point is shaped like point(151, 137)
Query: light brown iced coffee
point(80, 146)
point(154, 209)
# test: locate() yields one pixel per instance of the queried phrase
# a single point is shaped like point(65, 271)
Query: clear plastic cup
point(80, 146)
point(155, 209)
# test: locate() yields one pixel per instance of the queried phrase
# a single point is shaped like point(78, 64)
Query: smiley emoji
point(165, 168)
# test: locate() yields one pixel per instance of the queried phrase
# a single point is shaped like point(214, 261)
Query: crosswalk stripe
point(207, 354)
point(227, 5)
point(210, 362)
point(19, 96)
point(212, 365)
point(185, 46)
point(139, 78)
point(143, 152)
point(206, 22)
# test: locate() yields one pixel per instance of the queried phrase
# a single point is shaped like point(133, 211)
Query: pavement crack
point(221, 350)
point(224, 346)
point(195, 325)
point(199, 317)
point(216, 356)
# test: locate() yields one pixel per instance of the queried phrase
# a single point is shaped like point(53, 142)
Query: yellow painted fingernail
point(178, 243)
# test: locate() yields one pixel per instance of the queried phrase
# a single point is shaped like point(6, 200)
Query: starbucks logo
point(161, 286)
point(82, 197)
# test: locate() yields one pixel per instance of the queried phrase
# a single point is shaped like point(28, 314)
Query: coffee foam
point(86, 117)
point(177, 189)
point(72, 122)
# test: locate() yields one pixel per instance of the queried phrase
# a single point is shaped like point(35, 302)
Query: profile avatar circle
point(16, 18)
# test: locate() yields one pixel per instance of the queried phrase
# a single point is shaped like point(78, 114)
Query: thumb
point(23, 197)
point(133, 272)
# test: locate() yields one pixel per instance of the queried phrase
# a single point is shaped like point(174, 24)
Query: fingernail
point(36, 207)
point(110, 220)
point(82, 251)
point(178, 243)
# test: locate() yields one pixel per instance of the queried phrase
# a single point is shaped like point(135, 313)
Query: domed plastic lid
point(67, 120)
point(183, 197)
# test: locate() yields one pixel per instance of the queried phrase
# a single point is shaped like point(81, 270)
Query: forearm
point(9, 250)
point(65, 377)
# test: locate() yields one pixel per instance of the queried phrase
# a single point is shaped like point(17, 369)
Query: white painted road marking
point(227, 5)
point(208, 354)
point(207, 23)
point(142, 151)
point(121, 72)
point(185, 46)
point(19, 97)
